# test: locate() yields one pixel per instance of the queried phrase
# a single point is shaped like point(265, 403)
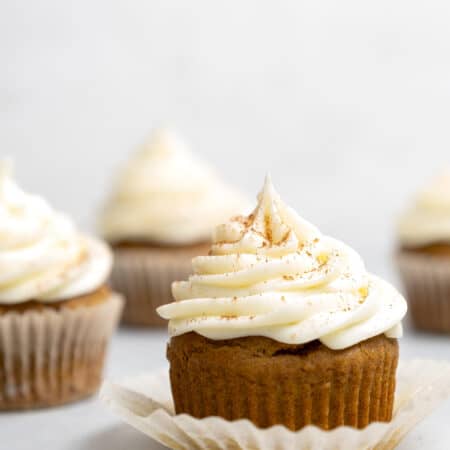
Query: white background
point(346, 103)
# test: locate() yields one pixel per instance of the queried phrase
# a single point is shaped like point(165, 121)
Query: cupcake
point(423, 256)
point(283, 325)
point(160, 215)
point(56, 312)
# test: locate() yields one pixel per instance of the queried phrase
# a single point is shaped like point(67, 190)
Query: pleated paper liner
point(145, 403)
point(145, 275)
point(427, 283)
point(51, 357)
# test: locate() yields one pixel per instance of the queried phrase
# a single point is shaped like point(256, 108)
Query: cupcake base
point(144, 274)
point(81, 381)
point(272, 383)
point(425, 274)
point(51, 354)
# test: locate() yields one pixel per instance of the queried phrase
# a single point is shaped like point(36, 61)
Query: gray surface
point(89, 426)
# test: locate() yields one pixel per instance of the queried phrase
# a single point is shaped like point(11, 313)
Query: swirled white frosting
point(428, 220)
point(42, 256)
point(275, 275)
point(166, 195)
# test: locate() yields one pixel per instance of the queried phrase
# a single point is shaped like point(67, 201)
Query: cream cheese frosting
point(42, 255)
point(273, 274)
point(428, 220)
point(166, 195)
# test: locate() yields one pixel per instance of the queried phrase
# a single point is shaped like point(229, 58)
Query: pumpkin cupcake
point(423, 255)
point(280, 324)
point(160, 215)
point(56, 312)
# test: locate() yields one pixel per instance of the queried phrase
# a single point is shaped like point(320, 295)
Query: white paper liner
point(145, 402)
point(427, 283)
point(50, 357)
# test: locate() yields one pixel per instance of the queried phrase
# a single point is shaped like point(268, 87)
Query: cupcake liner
point(427, 283)
point(144, 276)
point(50, 357)
point(145, 402)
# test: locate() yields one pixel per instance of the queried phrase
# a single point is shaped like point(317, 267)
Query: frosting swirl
point(166, 195)
point(42, 255)
point(273, 274)
point(428, 220)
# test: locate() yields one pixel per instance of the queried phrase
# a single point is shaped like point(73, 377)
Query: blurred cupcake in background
point(56, 312)
point(161, 213)
point(424, 255)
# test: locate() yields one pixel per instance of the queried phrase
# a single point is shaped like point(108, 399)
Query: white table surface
point(89, 426)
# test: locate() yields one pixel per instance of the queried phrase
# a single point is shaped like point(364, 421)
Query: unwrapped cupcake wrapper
point(427, 282)
point(144, 277)
point(50, 357)
point(145, 403)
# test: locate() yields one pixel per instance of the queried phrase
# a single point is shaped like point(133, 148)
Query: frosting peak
point(162, 143)
point(273, 274)
point(167, 195)
point(428, 219)
point(42, 256)
point(272, 228)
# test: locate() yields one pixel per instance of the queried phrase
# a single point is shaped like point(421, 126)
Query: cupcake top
point(428, 220)
point(42, 255)
point(273, 274)
point(167, 196)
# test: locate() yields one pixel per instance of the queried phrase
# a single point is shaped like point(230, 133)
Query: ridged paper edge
point(144, 402)
point(50, 357)
point(427, 284)
point(144, 277)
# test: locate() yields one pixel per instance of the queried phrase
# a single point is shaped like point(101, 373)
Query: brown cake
point(270, 382)
point(97, 297)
